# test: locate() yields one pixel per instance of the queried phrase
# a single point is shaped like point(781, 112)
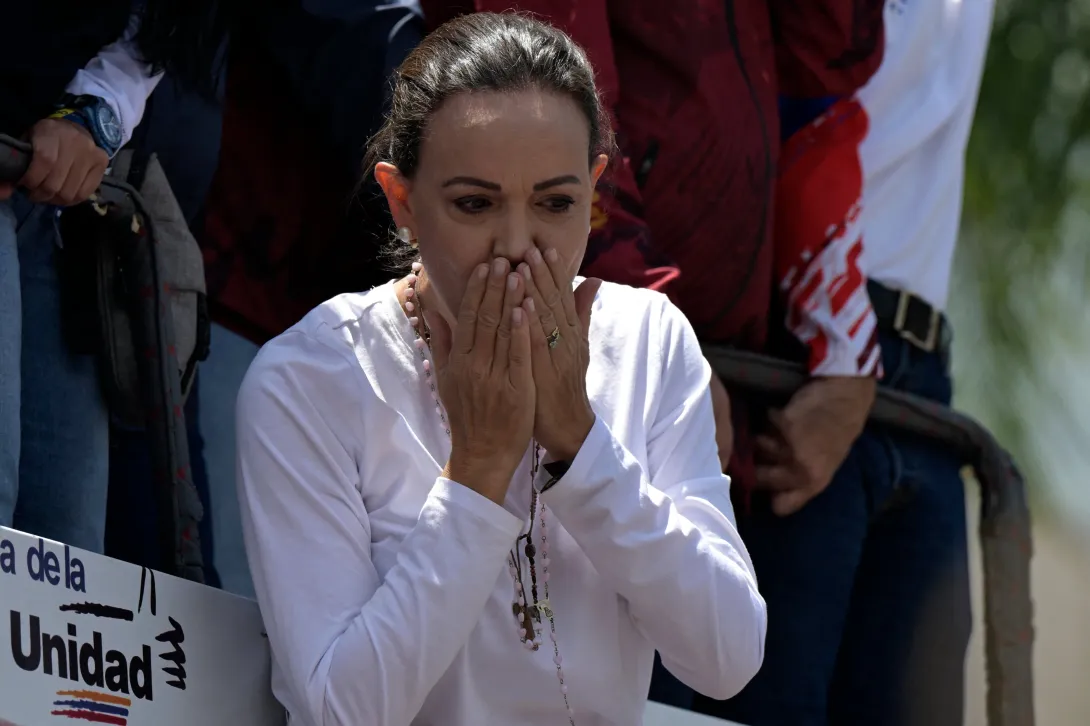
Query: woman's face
point(498, 174)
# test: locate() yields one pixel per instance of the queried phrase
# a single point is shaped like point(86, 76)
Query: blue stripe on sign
point(96, 707)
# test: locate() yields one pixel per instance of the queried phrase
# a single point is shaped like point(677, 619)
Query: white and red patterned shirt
point(890, 162)
point(819, 244)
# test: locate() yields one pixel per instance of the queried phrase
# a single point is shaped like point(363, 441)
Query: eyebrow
point(493, 186)
point(472, 182)
point(556, 181)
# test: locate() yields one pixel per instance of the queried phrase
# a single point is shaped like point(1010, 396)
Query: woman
point(466, 499)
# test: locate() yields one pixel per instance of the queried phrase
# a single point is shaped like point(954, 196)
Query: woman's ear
point(396, 188)
point(599, 167)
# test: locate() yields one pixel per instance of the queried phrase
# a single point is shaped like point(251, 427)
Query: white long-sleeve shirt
point(119, 76)
point(384, 586)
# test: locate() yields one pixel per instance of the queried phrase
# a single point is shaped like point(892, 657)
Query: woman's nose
point(514, 241)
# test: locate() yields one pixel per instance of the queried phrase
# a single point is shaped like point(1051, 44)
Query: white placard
point(85, 639)
point(660, 715)
point(148, 649)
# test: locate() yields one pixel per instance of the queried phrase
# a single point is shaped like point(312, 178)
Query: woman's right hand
point(485, 380)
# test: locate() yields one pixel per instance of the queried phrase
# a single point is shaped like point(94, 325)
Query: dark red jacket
point(284, 229)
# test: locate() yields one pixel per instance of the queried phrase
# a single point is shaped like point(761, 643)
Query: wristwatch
point(95, 115)
point(555, 470)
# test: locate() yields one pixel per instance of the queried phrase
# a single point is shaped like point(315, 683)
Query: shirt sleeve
point(818, 244)
point(664, 537)
point(119, 76)
point(826, 51)
point(354, 647)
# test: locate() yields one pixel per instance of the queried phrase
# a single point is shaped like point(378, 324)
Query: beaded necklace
point(528, 616)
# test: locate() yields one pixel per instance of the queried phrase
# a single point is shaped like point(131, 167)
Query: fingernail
point(551, 255)
point(482, 271)
point(516, 316)
point(512, 282)
point(499, 265)
point(530, 304)
point(535, 254)
point(524, 270)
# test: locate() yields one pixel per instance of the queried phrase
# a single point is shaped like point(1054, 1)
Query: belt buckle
point(928, 343)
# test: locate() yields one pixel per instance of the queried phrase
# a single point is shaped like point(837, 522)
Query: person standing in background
point(866, 571)
point(73, 83)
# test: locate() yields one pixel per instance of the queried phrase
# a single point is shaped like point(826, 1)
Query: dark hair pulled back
point(504, 52)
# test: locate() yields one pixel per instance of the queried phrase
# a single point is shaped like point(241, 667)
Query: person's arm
point(664, 538)
point(68, 162)
point(818, 244)
point(825, 52)
point(355, 648)
point(120, 77)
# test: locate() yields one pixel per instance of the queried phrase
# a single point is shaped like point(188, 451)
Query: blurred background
point(1018, 304)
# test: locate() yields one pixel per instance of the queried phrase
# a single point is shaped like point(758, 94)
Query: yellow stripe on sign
point(98, 697)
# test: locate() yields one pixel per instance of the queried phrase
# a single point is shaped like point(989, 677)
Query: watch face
point(108, 125)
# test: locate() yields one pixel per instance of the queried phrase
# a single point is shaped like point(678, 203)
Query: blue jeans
point(132, 525)
point(54, 445)
point(220, 378)
point(868, 585)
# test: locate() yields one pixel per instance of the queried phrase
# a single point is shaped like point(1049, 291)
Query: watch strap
point(556, 470)
point(83, 110)
point(70, 114)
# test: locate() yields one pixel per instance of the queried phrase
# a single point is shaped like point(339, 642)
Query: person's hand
point(724, 429)
point(66, 167)
point(810, 438)
point(485, 381)
point(564, 416)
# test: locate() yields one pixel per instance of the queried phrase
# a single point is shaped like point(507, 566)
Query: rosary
point(528, 613)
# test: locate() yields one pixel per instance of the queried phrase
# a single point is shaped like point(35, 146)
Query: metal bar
point(1005, 533)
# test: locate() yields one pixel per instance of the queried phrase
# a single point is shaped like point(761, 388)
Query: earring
point(406, 236)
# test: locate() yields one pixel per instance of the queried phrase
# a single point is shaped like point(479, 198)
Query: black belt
point(911, 317)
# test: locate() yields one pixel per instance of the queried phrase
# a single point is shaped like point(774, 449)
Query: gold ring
point(553, 338)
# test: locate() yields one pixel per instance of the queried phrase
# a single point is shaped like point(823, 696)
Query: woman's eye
point(558, 204)
point(472, 205)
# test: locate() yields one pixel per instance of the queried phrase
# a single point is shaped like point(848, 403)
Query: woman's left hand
point(563, 415)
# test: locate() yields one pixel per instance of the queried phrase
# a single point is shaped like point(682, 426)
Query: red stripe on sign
point(92, 717)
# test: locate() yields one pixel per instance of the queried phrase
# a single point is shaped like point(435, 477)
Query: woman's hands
point(485, 380)
point(563, 415)
point(501, 382)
